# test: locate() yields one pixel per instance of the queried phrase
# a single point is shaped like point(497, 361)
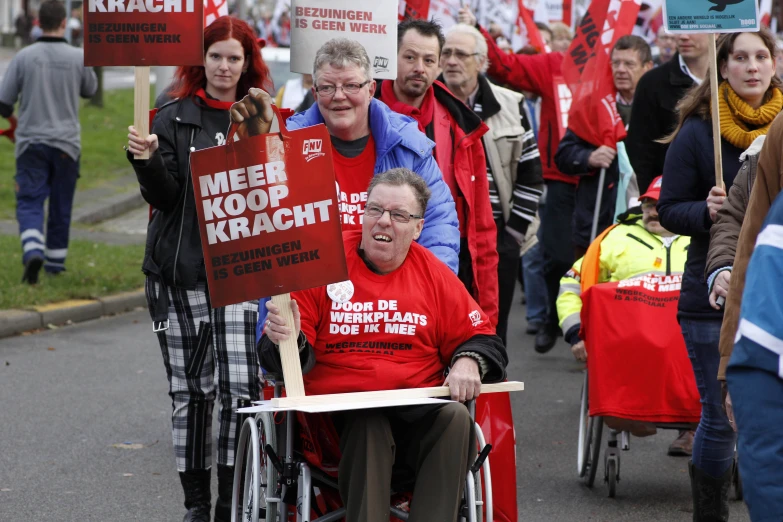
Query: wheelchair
point(274, 482)
point(640, 377)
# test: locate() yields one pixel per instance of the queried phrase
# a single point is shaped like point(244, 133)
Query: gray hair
point(339, 53)
point(400, 177)
point(480, 47)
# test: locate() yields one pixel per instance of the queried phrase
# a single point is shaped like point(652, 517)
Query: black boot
point(546, 338)
point(710, 495)
point(225, 493)
point(198, 494)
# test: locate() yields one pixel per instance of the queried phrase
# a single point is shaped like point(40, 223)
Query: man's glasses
point(348, 88)
point(461, 55)
point(400, 216)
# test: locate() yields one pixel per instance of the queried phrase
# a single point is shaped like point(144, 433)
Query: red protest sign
point(268, 216)
point(143, 32)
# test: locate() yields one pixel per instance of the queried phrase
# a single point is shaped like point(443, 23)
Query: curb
point(108, 208)
point(14, 322)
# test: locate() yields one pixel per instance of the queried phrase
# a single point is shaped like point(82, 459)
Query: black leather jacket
point(173, 252)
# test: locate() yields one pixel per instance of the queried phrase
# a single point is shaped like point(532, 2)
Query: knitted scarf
point(740, 123)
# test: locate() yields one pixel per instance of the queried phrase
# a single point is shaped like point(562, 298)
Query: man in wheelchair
point(403, 320)
point(637, 245)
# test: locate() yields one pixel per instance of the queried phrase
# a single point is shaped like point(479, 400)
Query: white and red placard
point(372, 24)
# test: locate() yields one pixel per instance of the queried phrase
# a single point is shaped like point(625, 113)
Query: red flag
point(416, 9)
point(214, 9)
point(527, 28)
point(765, 11)
point(587, 70)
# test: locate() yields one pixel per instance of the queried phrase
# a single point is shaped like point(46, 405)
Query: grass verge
point(104, 132)
point(93, 270)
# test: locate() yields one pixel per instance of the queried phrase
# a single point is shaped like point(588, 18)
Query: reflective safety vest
point(623, 251)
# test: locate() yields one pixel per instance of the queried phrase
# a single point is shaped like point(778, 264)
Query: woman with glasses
point(198, 341)
point(367, 138)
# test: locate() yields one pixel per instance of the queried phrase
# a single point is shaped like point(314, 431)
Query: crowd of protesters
point(474, 126)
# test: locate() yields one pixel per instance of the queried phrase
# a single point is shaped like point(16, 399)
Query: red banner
point(143, 32)
point(587, 70)
point(637, 363)
point(268, 216)
point(416, 9)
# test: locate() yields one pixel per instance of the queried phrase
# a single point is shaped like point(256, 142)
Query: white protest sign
point(372, 24)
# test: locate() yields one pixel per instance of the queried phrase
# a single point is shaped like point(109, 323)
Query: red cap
point(654, 190)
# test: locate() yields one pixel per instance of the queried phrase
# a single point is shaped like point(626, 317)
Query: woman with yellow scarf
point(749, 99)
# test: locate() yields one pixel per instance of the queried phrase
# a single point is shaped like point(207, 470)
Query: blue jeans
point(713, 445)
point(45, 172)
point(757, 396)
point(535, 285)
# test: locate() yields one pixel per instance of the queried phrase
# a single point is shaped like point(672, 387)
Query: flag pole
point(597, 211)
point(713, 71)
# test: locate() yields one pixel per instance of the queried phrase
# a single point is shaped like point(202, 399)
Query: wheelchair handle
point(274, 459)
point(480, 459)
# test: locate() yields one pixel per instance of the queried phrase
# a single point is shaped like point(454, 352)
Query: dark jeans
point(508, 266)
point(45, 172)
point(713, 445)
point(555, 234)
point(535, 285)
point(756, 389)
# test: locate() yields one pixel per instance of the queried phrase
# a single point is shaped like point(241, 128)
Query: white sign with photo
point(372, 24)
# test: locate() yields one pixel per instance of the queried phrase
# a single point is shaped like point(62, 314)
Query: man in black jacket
point(631, 58)
point(653, 115)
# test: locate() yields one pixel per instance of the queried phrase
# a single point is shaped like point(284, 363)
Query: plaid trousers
point(199, 342)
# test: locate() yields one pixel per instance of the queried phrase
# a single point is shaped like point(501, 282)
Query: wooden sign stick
point(410, 393)
point(715, 113)
point(141, 105)
point(289, 350)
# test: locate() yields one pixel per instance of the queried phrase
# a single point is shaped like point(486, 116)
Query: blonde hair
point(560, 30)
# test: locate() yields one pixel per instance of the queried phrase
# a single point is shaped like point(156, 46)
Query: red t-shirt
point(401, 331)
point(353, 176)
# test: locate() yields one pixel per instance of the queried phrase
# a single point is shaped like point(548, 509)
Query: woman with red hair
point(196, 340)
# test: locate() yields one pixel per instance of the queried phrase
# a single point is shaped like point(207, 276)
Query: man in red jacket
point(538, 74)
point(457, 132)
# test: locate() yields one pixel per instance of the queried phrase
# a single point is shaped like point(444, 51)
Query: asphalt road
point(84, 434)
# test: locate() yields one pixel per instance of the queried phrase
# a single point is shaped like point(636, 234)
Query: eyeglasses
point(400, 216)
point(348, 88)
point(461, 55)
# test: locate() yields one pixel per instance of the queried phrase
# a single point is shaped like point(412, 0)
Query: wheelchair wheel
point(254, 474)
point(584, 433)
point(593, 451)
point(611, 476)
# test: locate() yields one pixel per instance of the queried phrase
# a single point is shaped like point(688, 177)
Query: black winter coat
point(572, 159)
point(688, 176)
point(653, 116)
point(173, 251)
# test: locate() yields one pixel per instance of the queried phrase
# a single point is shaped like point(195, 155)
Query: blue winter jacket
point(688, 176)
point(399, 143)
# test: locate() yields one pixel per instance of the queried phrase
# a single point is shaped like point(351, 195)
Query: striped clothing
point(524, 204)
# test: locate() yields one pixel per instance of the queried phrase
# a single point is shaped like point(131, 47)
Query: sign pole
point(715, 113)
point(289, 350)
point(141, 105)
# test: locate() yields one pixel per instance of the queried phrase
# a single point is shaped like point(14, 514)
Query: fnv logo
point(311, 149)
point(475, 317)
point(380, 64)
